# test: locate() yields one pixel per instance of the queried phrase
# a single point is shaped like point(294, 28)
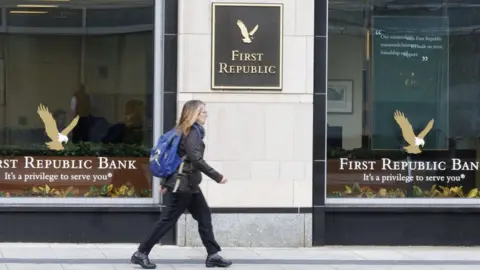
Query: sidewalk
point(116, 256)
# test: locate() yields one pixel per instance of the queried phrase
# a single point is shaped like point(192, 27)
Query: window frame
point(383, 202)
point(158, 39)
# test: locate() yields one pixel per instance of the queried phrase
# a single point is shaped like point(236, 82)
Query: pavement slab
point(45, 256)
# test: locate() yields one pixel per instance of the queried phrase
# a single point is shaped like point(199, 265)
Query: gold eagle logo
point(247, 36)
point(408, 134)
point(51, 129)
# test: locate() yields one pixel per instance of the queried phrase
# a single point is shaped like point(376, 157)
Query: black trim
point(319, 135)
point(170, 64)
point(80, 209)
point(261, 210)
point(318, 184)
point(150, 209)
point(170, 75)
point(171, 16)
point(319, 122)
point(318, 227)
point(71, 224)
point(396, 226)
point(400, 209)
point(320, 24)
point(97, 224)
point(170, 53)
point(319, 66)
point(169, 111)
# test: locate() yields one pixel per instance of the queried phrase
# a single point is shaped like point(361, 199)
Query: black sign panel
point(247, 41)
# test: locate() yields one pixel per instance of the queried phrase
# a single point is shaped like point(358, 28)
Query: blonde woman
point(182, 191)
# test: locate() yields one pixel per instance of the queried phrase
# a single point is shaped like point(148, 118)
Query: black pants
point(81, 130)
point(176, 204)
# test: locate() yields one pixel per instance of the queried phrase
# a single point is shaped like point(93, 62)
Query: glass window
point(75, 78)
point(403, 99)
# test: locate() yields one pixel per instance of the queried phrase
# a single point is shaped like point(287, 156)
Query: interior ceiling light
point(27, 12)
point(38, 6)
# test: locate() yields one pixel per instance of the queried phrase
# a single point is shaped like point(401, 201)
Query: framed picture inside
point(340, 96)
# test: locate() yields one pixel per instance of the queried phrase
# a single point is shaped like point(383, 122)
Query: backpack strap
point(180, 170)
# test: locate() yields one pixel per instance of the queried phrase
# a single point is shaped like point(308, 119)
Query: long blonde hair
point(189, 115)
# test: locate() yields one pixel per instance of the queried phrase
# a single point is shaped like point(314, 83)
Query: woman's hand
point(163, 189)
point(224, 180)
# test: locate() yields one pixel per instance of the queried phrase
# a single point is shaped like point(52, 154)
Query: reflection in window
point(422, 61)
point(104, 79)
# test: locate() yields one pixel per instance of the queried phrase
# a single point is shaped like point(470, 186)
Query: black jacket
point(192, 148)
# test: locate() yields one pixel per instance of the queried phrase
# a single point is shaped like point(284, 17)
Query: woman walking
point(182, 190)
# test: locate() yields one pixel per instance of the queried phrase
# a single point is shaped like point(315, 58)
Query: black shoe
point(142, 260)
point(216, 260)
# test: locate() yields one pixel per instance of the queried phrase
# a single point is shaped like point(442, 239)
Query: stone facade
point(257, 139)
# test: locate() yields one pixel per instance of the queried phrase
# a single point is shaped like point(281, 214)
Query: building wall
point(261, 141)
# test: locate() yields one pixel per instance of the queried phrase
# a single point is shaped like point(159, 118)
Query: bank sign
point(247, 41)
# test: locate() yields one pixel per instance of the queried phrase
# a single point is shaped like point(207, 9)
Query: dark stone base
point(79, 224)
point(396, 226)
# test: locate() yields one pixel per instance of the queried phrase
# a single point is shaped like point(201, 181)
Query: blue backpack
point(164, 158)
